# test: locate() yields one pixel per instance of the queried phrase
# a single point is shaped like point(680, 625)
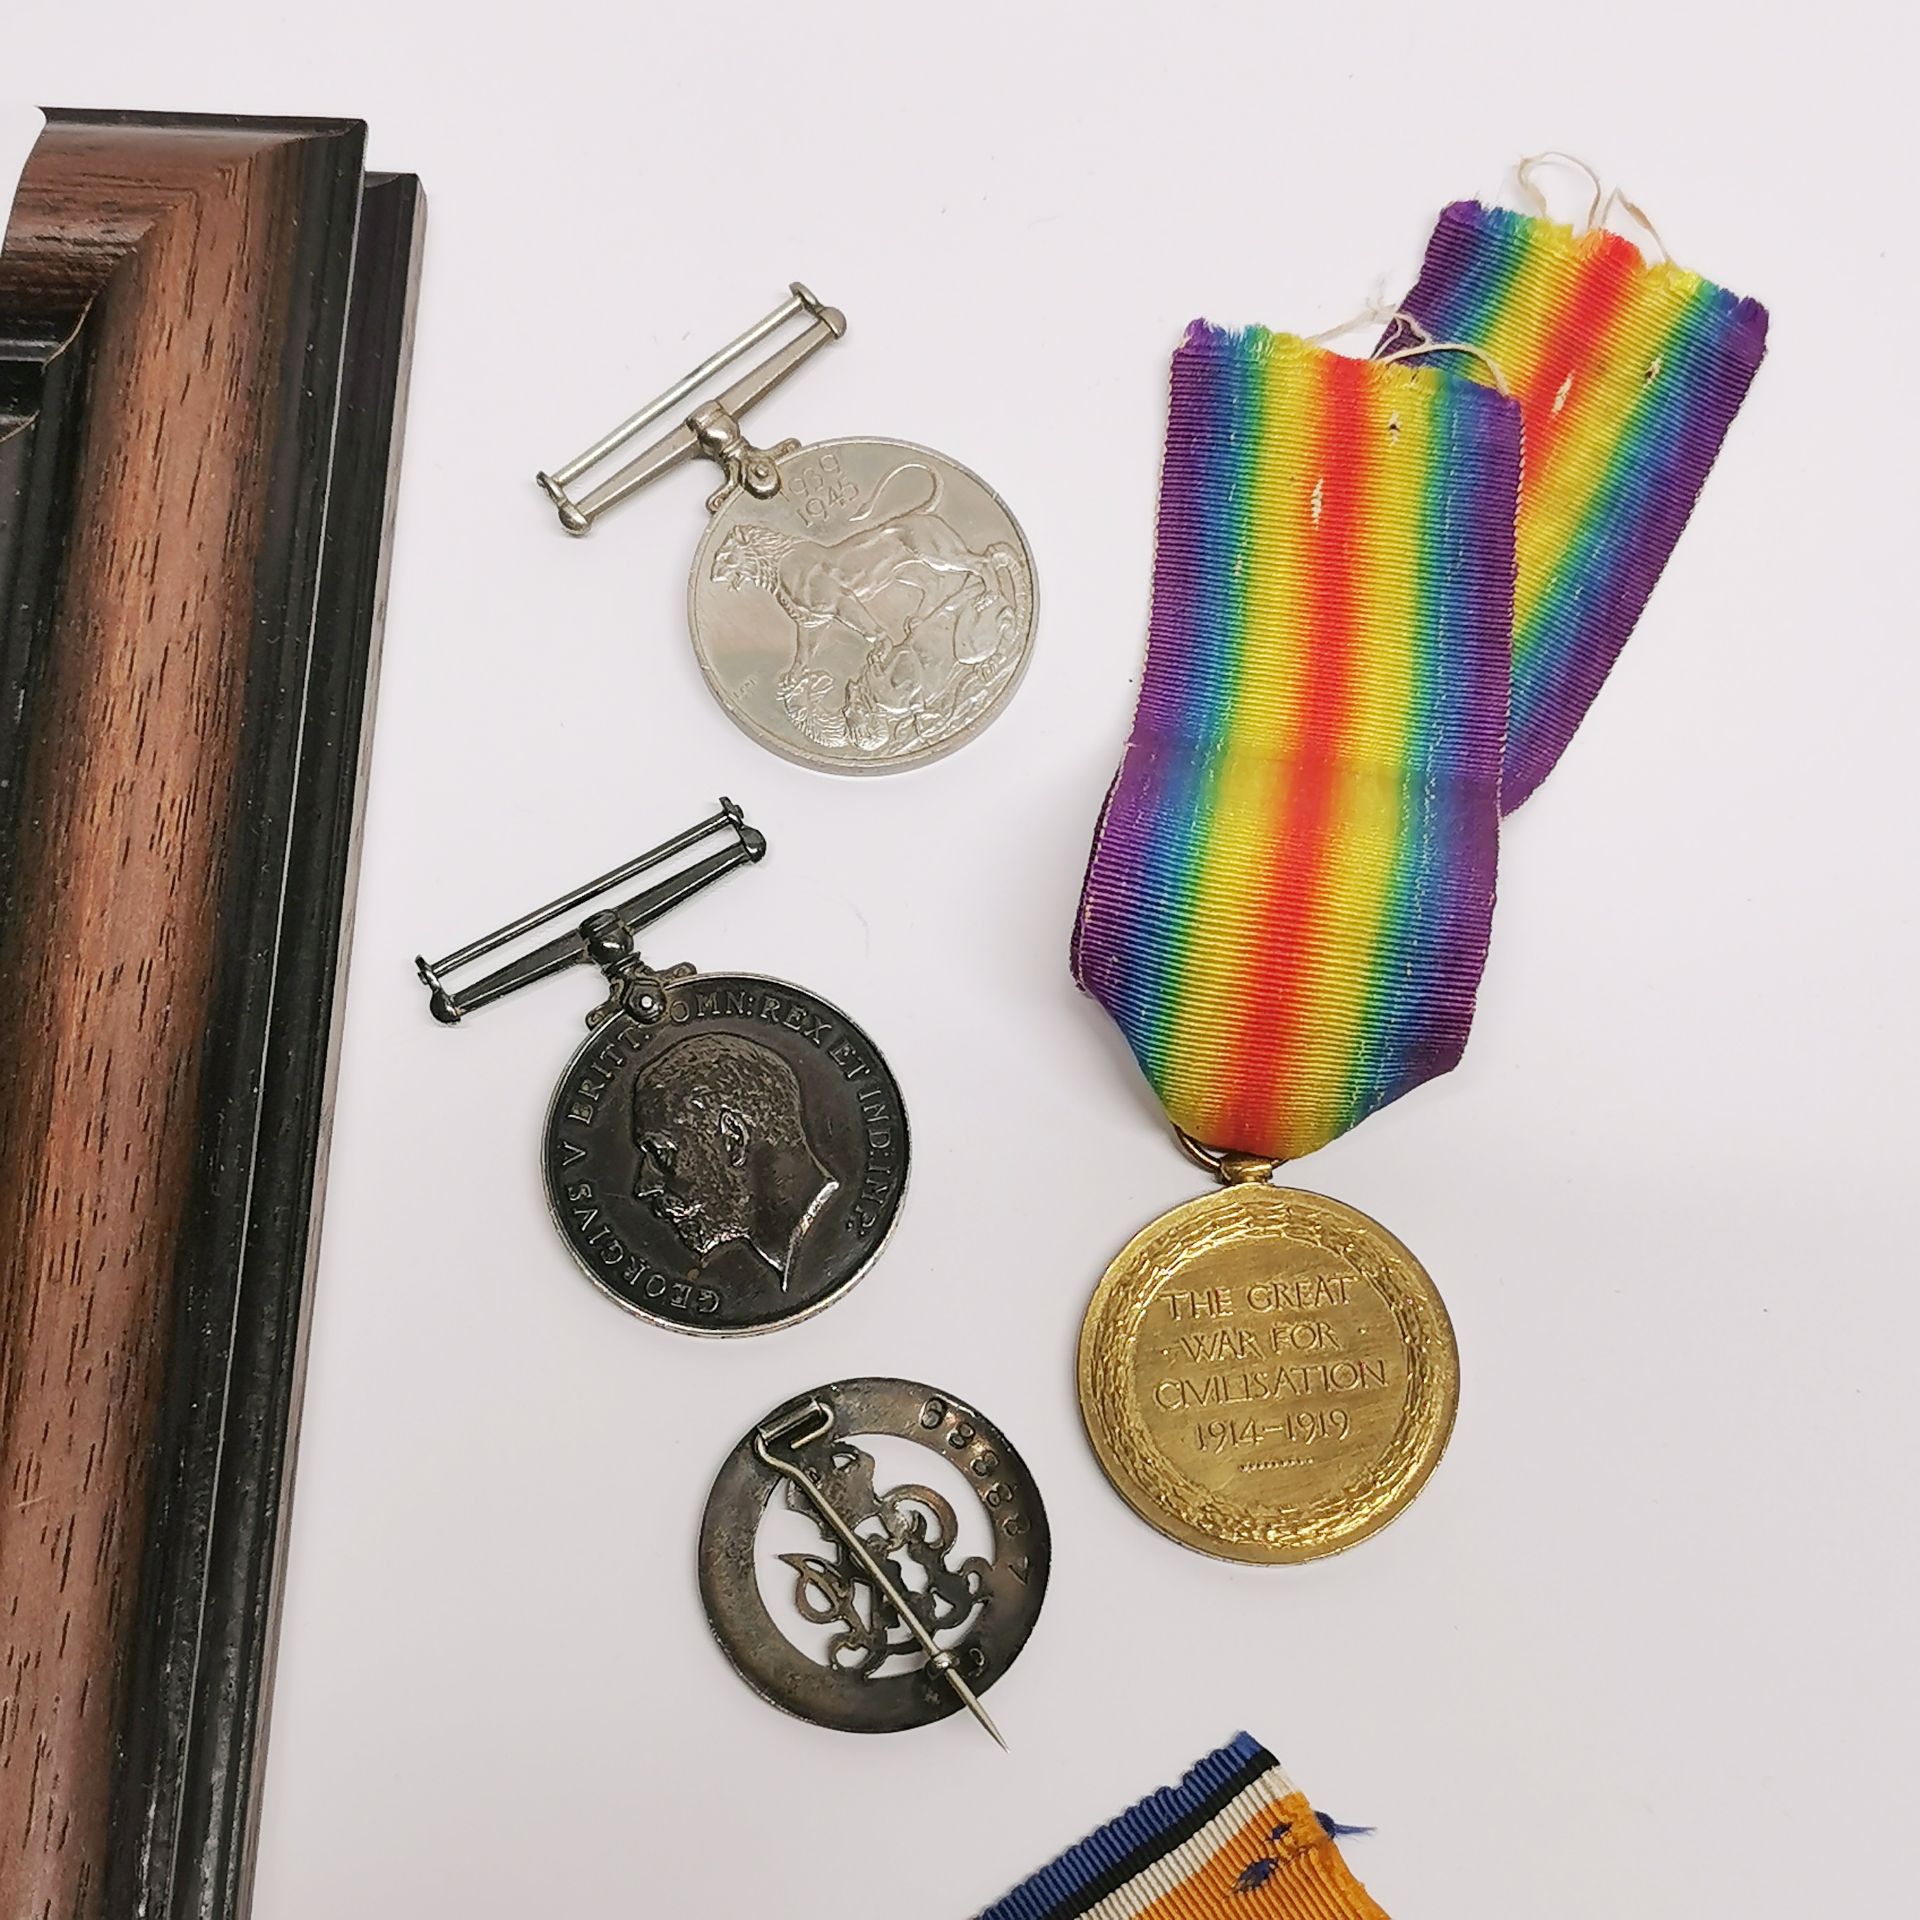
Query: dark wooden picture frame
point(204, 330)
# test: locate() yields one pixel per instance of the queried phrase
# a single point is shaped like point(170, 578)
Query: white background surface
point(1644, 1645)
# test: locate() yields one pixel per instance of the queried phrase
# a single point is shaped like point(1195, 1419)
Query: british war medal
point(724, 1153)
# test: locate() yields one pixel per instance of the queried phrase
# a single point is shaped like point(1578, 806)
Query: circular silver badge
point(731, 1165)
point(902, 1603)
point(871, 614)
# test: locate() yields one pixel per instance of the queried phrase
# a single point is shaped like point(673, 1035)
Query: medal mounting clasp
point(711, 431)
point(749, 469)
point(605, 938)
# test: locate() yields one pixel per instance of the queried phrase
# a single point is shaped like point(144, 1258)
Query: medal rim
point(942, 1703)
point(595, 1036)
point(820, 763)
point(1100, 1345)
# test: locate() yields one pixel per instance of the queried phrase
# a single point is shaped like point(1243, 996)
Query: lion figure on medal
point(903, 633)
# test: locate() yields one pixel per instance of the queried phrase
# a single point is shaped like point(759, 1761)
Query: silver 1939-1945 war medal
point(860, 606)
point(724, 1153)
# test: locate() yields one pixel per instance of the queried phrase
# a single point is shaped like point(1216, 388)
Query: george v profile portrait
point(724, 1154)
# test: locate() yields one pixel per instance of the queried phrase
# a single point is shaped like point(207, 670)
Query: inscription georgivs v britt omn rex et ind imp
point(733, 1165)
point(723, 1153)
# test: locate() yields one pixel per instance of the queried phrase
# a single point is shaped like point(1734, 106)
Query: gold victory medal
point(1267, 1375)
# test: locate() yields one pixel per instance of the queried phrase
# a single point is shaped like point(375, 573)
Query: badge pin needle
point(776, 1447)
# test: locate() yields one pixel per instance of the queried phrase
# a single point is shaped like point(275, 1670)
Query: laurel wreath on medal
point(1319, 1526)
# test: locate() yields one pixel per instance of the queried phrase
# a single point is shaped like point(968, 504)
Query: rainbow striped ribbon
point(1289, 899)
point(1235, 1838)
point(1628, 375)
